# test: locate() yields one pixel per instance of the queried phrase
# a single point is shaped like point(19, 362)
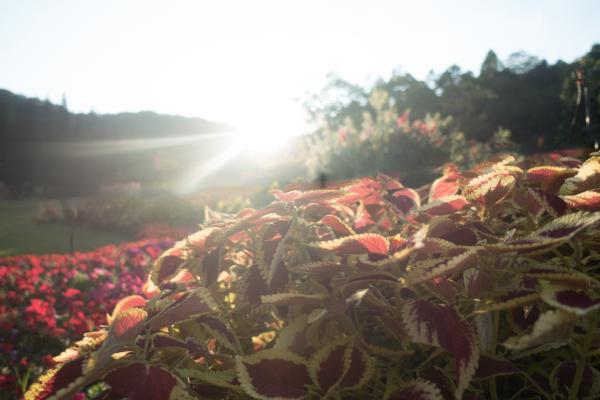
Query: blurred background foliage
point(395, 124)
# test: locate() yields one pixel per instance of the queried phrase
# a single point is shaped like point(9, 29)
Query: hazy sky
point(245, 61)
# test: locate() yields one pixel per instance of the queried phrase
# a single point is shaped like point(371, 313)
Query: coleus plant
point(483, 284)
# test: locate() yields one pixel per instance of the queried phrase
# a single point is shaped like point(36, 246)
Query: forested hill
point(23, 118)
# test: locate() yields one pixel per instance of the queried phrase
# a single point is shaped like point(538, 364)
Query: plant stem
point(495, 327)
point(589, 334)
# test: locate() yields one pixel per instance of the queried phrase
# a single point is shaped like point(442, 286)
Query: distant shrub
point(384, 142)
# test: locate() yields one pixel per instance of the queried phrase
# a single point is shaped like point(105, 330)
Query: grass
point(19, 234)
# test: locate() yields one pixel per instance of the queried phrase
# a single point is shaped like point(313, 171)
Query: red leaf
point(586, 201)
point(447, 185)
point(549, 178)
point(369, 243)
point(444, 205)
point(141, 382)
point(126, 303)
point(337, 225)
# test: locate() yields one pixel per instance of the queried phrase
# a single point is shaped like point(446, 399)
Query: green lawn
point(20, 235)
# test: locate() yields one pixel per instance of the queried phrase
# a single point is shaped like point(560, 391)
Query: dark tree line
point(23, 118)
point(535, 100)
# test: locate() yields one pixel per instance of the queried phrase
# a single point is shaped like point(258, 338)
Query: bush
point(485, 285)
point(385, 142)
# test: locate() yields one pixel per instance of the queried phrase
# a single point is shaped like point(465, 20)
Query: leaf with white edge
point(585, 201)
point(563, 276)
point(417, 389)
point(537, 201)
point(567, 226)
point(293, 299)
point(588, 177)
point(191, 304)
point(444, 205)
point(366, 243)
point(490, 189)
point(553, 326)
point(549, 178)
point(569, 300)
point(339, 366)
point(273, 374)
point(427, 270)
point(430, 323)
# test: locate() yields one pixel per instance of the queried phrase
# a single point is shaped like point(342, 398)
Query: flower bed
point(48, 300)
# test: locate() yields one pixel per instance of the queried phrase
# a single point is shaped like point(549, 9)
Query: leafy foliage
point(485, 288)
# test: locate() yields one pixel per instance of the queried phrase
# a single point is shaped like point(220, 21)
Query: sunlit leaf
point(586, 201)
point(549, 178)
point(357, 244)
point(588, 177)
point(447, 185)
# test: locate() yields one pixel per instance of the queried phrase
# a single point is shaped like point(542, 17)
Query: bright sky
point(244, 62)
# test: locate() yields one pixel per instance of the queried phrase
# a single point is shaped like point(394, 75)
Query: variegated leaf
point(273, 374)
point(554, 326)
point(490, 189)
point(417, 389)
point(128, 324)
point(430, 323)
point(549, 178)
point(57, 381)
point(340, 366)
point(430, 269)
point(125, 304)
point(569, 300)
point(588, 177)
point(586, 201)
